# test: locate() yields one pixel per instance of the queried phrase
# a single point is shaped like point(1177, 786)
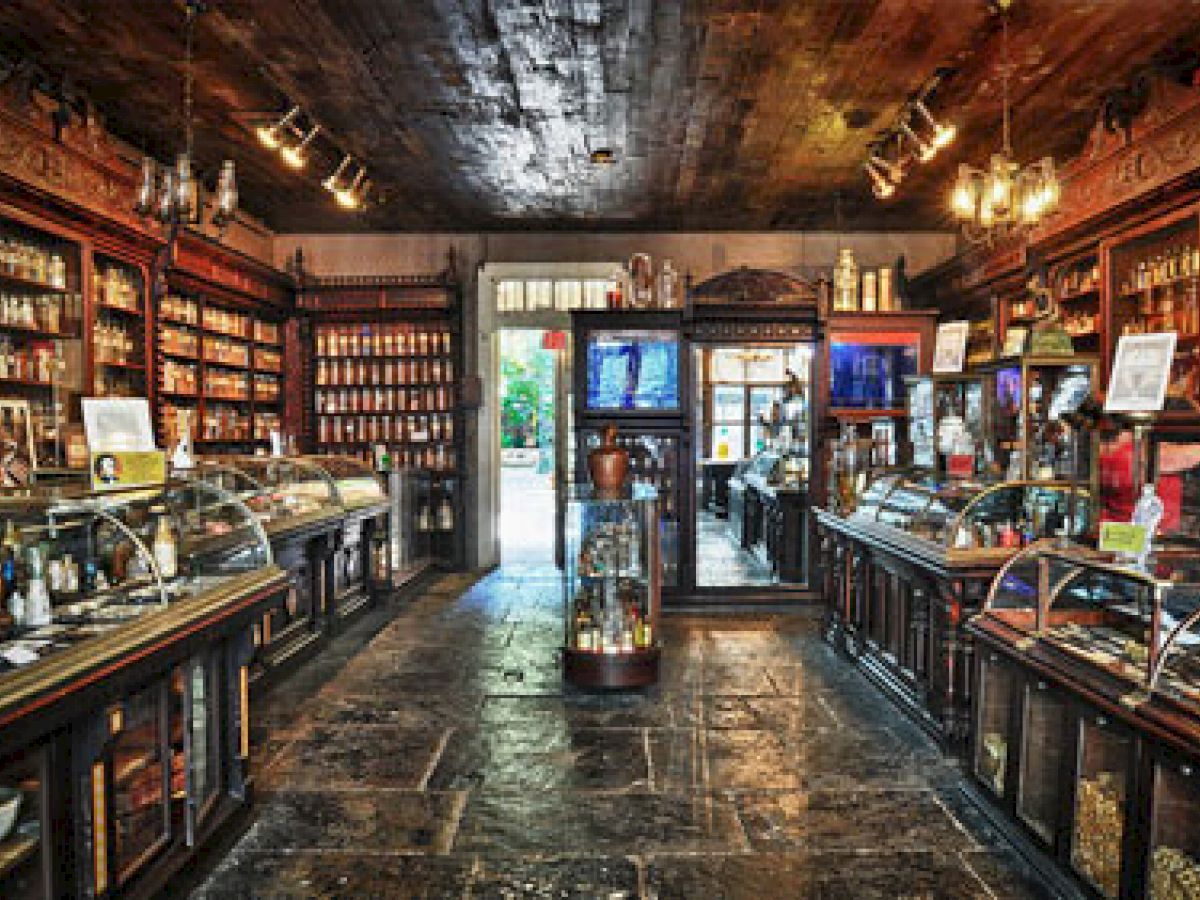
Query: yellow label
point(99, 830)
point(1122, 537)
point(127, 468)
point(116, 720)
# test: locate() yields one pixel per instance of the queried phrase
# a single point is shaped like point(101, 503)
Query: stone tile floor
point(434, 752)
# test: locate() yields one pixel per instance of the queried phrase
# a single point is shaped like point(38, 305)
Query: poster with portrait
point(18, 455)
point(1141, 371)
point(950, 347)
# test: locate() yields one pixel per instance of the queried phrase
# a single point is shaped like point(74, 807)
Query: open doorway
point(529, 417)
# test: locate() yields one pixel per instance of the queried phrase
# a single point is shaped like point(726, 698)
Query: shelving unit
point(118, 330)
point(224, 364)
point(383, 367)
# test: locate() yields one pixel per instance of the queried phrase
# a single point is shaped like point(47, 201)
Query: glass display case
point(945, 427)
point(997, 688)
point(1043, 731)
point(973, 516)
point(1174, 832)
point(283, 492)
point(22, 819)
point(78, 564)
point(611, 589)
point(1101, 789)
point(356, 485)
point(1026, 431)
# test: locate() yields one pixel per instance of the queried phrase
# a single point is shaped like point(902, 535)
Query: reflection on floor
point(445, 759)
point(720, 561)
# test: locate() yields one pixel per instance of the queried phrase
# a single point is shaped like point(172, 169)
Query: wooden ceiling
point(480, 114)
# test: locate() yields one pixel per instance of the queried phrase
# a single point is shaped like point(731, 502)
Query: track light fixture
point(880, 186)
point(351, 197)
point(943, 134)
point(925, 150)
point(271, 136)
point(335, 178)
point(293, 154)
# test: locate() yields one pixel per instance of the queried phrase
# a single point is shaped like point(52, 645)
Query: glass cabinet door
point(1175, 832)
point(997, 693)
point(1043, 737)
point(140, 772)
point(201, 750)
point(22, 867)
point(1101, 787)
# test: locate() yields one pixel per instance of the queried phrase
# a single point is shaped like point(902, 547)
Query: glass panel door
point(1043, 736)
point(1101, 786)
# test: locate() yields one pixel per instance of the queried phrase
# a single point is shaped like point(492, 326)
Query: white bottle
point(16, 608)
point(37, 606)
point(164, 549)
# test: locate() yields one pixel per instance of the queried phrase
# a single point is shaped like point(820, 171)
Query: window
point(741, 384)
point(520, 295)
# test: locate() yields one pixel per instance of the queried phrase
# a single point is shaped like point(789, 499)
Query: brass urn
point(608, 464)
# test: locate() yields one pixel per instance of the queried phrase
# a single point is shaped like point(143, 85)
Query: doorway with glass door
point(530, 413)
point(752, 464)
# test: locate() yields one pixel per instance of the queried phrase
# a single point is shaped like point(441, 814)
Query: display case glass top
point(280, 491)
point(973, 515)
point(1106, 615)
point(355, 483)
point(77, 565)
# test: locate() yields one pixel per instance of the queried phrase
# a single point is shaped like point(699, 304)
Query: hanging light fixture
point(335, 177)
point(271, 136)
point(173, 196)
point(994, 202)
point(293, 154)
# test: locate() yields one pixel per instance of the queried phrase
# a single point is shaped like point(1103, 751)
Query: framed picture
point(1141, 371)
point(18, 453)
point(1014, 340)
point(950, 348)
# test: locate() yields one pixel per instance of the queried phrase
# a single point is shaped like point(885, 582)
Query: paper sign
point(1141, 371)
point(121, 469)
point(1122, 537)
point(117, 424)
point(950, 347)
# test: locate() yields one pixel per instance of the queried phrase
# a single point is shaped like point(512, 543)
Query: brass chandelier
point(1004, 198)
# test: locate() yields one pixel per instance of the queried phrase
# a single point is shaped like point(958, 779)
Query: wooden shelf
point(119, 310)
point(386, 356)
point(133, 367)
point(27, 383)
point(383, 384)
point(184, 395)
point(217, 398)
point(39, 332)
point(227, 335)
point(244, 367)
point(18, 281)
point(169, 320)
point(230, 440)
point(1090, 294)
point(178, 354)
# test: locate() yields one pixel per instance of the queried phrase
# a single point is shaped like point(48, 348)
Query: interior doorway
point(530, 423)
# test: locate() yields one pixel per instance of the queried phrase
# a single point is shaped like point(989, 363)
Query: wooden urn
point(608, 464)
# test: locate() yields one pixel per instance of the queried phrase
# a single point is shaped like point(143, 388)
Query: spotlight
point(925, 150)
point(943, 135)
point(293, 155)
point(351, 197)
point(272, 135)
point(880, 186)
point(335, 178)
point(893, 172)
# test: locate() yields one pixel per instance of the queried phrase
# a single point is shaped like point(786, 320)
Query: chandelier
point(173, 195)
point(1004, 198)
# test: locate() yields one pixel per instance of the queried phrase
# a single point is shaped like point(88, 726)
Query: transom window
point(517, 295)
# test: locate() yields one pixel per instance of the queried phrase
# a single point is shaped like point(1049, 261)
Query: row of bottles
point(264, 424)
point(388, 339)
point(1078, 324)
point(413, 429)
point(872, 290)
point(117, 287)
point(222, 384)
point(181, 309)
point(115, 343)
point(179, 378)
point(31, 262)
point(430, 458)
point(36, 361)
point(639, 287)
point(43, 312)
point(268, 360)
point(1080, 279)
point(226, 322)
point(437, 516)
point(388, 372)
point(225, 423)
point(383, 399)
point(266, 332)
point(266, 388)
point(1164, 267)
point(1165, 311)
point(111, 382)
point(227, 352)
point(179, 341)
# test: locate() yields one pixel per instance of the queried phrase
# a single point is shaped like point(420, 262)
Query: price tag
point(1122, 537)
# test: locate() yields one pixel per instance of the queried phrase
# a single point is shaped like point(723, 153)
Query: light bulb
point(144, 203)
point(348, 197)
point(294, 155)
point(963, 198)
point(271, 136)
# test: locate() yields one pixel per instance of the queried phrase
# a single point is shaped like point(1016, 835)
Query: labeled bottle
point(165, 552)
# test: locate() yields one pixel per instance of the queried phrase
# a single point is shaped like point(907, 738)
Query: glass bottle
point(845, 282)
